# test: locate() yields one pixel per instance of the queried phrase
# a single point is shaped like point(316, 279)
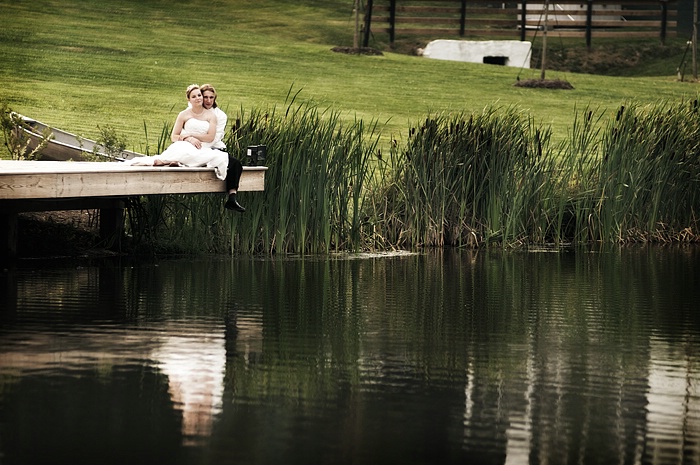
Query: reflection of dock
point(186, 351)
point(53, 185)
point(193, 362)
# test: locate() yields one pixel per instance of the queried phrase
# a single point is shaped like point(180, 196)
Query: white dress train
point(186, 154)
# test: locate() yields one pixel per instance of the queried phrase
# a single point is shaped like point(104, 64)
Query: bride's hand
point(194, 141)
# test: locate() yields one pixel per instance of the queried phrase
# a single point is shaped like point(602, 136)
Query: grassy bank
point(125, 63)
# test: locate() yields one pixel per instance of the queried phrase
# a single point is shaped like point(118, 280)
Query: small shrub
point(15, 139)
point(112, 142)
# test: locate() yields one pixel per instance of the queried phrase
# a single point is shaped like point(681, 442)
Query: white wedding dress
point(186, 154)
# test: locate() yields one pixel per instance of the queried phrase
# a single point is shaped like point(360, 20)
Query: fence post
point(368, 22)
point(589, 23)
point(664, 19)
point(392, 20)
point(463, 18)
point(523, 21)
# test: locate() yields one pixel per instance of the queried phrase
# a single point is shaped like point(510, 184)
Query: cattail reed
point(468, 180)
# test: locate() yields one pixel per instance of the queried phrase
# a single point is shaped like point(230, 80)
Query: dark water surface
point(455, 358)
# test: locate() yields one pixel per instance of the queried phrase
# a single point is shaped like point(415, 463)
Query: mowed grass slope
point(80, 64)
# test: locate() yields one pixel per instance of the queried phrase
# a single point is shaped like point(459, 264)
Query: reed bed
point(314, 186)
point(468, 180)
point(492, 178)
point(578, 157)
point(640, 181)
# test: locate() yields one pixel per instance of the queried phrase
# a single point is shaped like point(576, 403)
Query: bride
point(192, 135)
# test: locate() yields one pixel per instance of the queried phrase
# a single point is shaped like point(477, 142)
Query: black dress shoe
point(232, 204)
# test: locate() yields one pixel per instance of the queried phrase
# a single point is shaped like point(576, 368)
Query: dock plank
point(68, 185)
point(60, 179)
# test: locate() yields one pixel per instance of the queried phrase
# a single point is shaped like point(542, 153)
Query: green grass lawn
point(77, 64)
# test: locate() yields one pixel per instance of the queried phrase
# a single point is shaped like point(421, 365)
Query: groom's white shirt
point(221, 120)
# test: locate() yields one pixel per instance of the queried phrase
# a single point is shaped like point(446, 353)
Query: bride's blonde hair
point(190, 88)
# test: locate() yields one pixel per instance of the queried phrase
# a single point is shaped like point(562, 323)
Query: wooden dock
point(63, 185)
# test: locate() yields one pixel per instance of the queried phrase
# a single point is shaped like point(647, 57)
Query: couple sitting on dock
point(197, 141)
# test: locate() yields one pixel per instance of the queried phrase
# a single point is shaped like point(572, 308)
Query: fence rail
point(567, 18)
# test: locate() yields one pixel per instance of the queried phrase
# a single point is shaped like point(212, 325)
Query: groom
point(235, 168)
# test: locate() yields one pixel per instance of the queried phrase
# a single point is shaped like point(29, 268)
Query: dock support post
point(8, 235)
point(111, 226)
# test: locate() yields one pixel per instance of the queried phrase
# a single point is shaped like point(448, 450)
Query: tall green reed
point(468, 180)
point(317, 169)
point(648, 183)
point(575, 179)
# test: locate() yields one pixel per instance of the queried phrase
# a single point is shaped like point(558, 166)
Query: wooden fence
point(484, 18)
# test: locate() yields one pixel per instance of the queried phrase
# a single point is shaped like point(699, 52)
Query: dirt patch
point(544, 84)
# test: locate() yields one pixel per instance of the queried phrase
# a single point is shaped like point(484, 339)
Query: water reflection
point(192, 361)
point(194, 365)
point(673, 403)
point(447, 358)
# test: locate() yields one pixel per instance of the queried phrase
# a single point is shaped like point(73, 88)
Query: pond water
point(440, 358)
